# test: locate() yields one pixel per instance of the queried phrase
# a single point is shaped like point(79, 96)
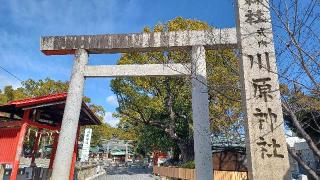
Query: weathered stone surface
point(137, 70)
point(116, 43)
point(266, 145)
point(70, 121)
point(200, 115)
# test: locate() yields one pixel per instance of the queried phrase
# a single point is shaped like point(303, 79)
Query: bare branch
point(305, 135)
point(303, 164)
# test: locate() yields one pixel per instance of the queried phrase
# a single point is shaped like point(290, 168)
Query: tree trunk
point(300, 129)
point(187, 151)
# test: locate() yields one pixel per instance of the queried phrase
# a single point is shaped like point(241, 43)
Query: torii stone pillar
point(200, 115)
point(70, 121)
point(140, 42)
point(265, 139)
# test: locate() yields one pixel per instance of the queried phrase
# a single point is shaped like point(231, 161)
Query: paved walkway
point(133, 173)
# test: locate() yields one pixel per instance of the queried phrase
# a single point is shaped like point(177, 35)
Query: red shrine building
point(40, 114)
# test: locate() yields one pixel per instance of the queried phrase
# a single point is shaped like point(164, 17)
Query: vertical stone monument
point(266, 144)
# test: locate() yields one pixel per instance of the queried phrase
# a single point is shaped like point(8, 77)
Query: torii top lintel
point(121, 43)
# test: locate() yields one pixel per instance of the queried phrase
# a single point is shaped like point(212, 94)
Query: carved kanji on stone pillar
point(265, 139)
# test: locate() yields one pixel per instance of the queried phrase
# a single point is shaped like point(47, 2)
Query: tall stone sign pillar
point(265, 139)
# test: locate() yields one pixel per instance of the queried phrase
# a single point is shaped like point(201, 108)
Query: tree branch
point(309, 170)
point(296, 123)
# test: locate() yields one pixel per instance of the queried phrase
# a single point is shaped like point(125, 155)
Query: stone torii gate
point(265, 141)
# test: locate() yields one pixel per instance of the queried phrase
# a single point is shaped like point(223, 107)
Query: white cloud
point(26, 21)
point(112, 100)
point(111, 120)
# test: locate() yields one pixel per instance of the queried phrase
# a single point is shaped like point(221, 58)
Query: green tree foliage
point(159, 108)
point(307, 111)
point(31, 88)
point(156, 139)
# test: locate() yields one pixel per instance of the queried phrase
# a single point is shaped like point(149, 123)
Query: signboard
point(86, 145)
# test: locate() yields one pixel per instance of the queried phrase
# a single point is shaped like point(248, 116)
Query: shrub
point(188, 165)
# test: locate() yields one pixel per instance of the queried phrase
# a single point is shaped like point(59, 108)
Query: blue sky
point(23, 22)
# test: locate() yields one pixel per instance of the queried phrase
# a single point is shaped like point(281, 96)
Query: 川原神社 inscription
point(266, 145)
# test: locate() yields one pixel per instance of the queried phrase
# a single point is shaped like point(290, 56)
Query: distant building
point(302, 149)
point(229, 153)
point(118, 150)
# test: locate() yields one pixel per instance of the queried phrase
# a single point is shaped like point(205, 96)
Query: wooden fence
point(189, 174)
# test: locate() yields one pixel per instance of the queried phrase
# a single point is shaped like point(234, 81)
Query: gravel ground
point(132, 173)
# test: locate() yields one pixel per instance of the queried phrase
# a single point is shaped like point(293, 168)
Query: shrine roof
point(228, 143)
point(51, 108)
point(37, 100)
